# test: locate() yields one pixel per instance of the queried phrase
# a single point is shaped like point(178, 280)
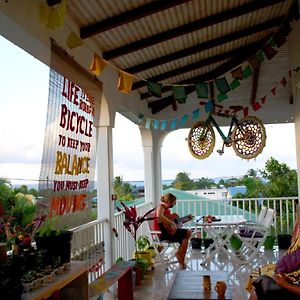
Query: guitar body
point(177, 220)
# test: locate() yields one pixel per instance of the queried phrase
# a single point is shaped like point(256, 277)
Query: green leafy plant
point(143, 243)
point(133, 221)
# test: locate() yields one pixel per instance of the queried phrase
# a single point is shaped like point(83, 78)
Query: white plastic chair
point(254, 235)
point(165, 250)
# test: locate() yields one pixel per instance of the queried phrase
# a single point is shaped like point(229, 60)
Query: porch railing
point(88, 236)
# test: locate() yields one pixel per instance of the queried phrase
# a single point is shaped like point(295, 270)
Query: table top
point(225, 220)
point(189, 285)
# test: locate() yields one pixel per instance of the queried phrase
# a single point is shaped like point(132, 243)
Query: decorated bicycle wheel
point(201, 140)
point(249, 138)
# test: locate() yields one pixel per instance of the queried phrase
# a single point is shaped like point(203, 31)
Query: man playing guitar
point(168, 225)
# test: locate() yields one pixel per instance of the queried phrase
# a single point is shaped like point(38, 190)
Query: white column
point(152, 141)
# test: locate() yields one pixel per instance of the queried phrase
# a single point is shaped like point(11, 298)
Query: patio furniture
point(221, 232)
point(120, 273)
point(189, 285)
point(254, 235)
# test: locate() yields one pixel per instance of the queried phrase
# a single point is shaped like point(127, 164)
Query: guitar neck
point(183, 219)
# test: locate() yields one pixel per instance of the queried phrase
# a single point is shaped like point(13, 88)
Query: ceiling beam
point(188, 28)
point(227, 66)
point(205, 45)
point(128, 16)
point(255, 83)
point(202, 63)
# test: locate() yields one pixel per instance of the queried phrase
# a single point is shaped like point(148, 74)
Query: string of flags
point(209, 106)
point(53, 18)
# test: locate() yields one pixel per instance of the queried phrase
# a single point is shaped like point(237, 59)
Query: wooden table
point(189, 285)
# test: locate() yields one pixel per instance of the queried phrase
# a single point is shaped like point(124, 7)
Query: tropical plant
point(133, 221)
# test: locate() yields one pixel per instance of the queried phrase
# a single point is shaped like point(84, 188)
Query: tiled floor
point(157, 283)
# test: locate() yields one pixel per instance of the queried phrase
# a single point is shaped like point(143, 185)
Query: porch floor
point(157, 283)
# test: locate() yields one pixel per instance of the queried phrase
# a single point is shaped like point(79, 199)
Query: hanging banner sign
point(68, 164)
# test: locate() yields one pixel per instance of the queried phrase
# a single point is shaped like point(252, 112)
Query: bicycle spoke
point(249, 138)
point(201, 140)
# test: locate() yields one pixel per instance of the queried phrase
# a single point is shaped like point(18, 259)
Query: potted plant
point(132, 223)
point(235, 242)
point(284, 238)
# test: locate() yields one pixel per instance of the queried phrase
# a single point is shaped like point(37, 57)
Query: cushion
point(289, 263)
point(247, 233)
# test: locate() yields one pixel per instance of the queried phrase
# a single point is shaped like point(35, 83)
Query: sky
point(23, 102)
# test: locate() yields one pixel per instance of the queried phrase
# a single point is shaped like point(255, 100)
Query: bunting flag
point(179, 93)
point(125, 82)
point(237, 73)
point(163, 125)
point(173, 124)
point(269, 51)
point(156, 124)
point(148, 123)
point(183, 120)
point(254, 62)
point(263, 99)
point(286, 28)
point(202, 89)
point(283, 82)
point(74, 40)
point(222, 85)
point(247, 72)
point(154, 88)
point(234, 84)
point(195, 114)
point(222, 97)
point(260, 56)
point(53, 17)
point(245, 111)
point(273, 91)
point(97, 65)
point(209, 106)
point(256, 106)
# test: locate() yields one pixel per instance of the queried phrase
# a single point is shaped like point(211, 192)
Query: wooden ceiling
point(178, 41)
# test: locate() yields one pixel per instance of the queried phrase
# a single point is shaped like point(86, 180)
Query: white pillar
point(152, 141)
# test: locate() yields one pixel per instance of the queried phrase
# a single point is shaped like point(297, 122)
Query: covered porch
point(158, 42)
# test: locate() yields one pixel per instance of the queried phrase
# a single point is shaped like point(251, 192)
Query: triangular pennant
point(183, 120)
point(179, 93)
point(148, 123)
point(173, 124)
point(246, 111)
point(269, 51)
point(222, 97)
point(254, 62)
point(74, 40)
point(156, 124)
point(163, 125)
point(283, 82)
point(209, 106)
point(125, 82)
point(56, 15)
point(260, 56)
point(202, 89)
point(273, 91)
point(272, 42)
point(256, 106)
point(196, 114)
point(279, 38)
point(234, 84)
point(247, 72)
point(97, 64)
point(222, 85)
point(263, 99)
point(237, 73)
point(154, 88)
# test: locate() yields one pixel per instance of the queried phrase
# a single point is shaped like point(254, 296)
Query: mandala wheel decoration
point(201, 140)
point(249, 138)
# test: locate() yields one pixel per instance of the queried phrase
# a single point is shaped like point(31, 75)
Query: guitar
point(179, 221)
